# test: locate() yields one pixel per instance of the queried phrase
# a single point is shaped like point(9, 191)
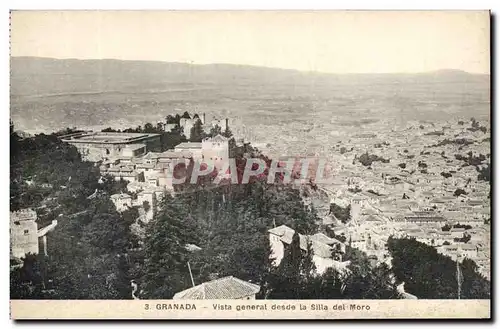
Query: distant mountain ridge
point(52, 94)
point(40, 76)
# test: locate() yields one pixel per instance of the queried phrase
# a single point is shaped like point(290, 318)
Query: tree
point(87, 251)
point(446, 174)
point(215, 130)
point(27, 281)
point(227, 132)
point(166, 256)
point(87, 254)
point(308, 268)
point(292, 260)
point(106, 233)
point(446, 228)
point(146, 206)
point(484, 173)
point(458, 192)
point(287, 282)
point(430, 275)
point(149, 128)
point(109, 130)
point(367, 159)
point(197, 133)
point(341, 213)
point(170, 119)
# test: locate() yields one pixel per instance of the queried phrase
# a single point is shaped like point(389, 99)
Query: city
point(253, 164)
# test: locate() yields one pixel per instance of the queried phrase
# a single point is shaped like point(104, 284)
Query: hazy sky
point(340, 42)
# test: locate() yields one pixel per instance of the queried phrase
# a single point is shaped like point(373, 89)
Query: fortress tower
point(23, 233)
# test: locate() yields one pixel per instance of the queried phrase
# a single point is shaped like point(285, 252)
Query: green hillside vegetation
point(430, 275)
point(88, 249)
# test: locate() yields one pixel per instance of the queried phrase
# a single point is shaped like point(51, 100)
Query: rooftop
point(120, 196)
point(108, 138)
point(189, 145)
point(23, 214)
point(218, 138)
point(224, 288)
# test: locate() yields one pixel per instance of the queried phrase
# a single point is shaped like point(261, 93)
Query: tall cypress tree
point(288, 281)
point(197, 133)
point(227, 133)
point(166, 271)
point(215, 130)
point(308, 268)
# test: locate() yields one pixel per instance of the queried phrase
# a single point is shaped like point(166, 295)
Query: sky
point(322, 41)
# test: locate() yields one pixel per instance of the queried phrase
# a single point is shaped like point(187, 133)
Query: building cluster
point(187, 122)
point(424, 192)
point(137, 158)
point(151, 175)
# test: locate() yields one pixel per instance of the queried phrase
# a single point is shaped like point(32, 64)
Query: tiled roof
point(321, 249)
point(169, 155)
point(320, 237)
point(329, 220)
point(188, 145)
point(225, 288)
point(284, 232)
point(370, 211)
point(151, 155)
point(469, 246)
point(372, 218)
point(145, 166)
point(218, 138)
point(185, 154)
point(162, 166)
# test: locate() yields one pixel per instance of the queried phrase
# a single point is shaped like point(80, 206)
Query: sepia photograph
point(250, 164)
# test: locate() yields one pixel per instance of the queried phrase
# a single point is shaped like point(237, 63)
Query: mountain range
point(50, 94)
point(45, 76)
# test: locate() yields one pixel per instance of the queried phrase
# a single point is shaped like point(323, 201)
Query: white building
point(122, 201)
point(324, 248)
